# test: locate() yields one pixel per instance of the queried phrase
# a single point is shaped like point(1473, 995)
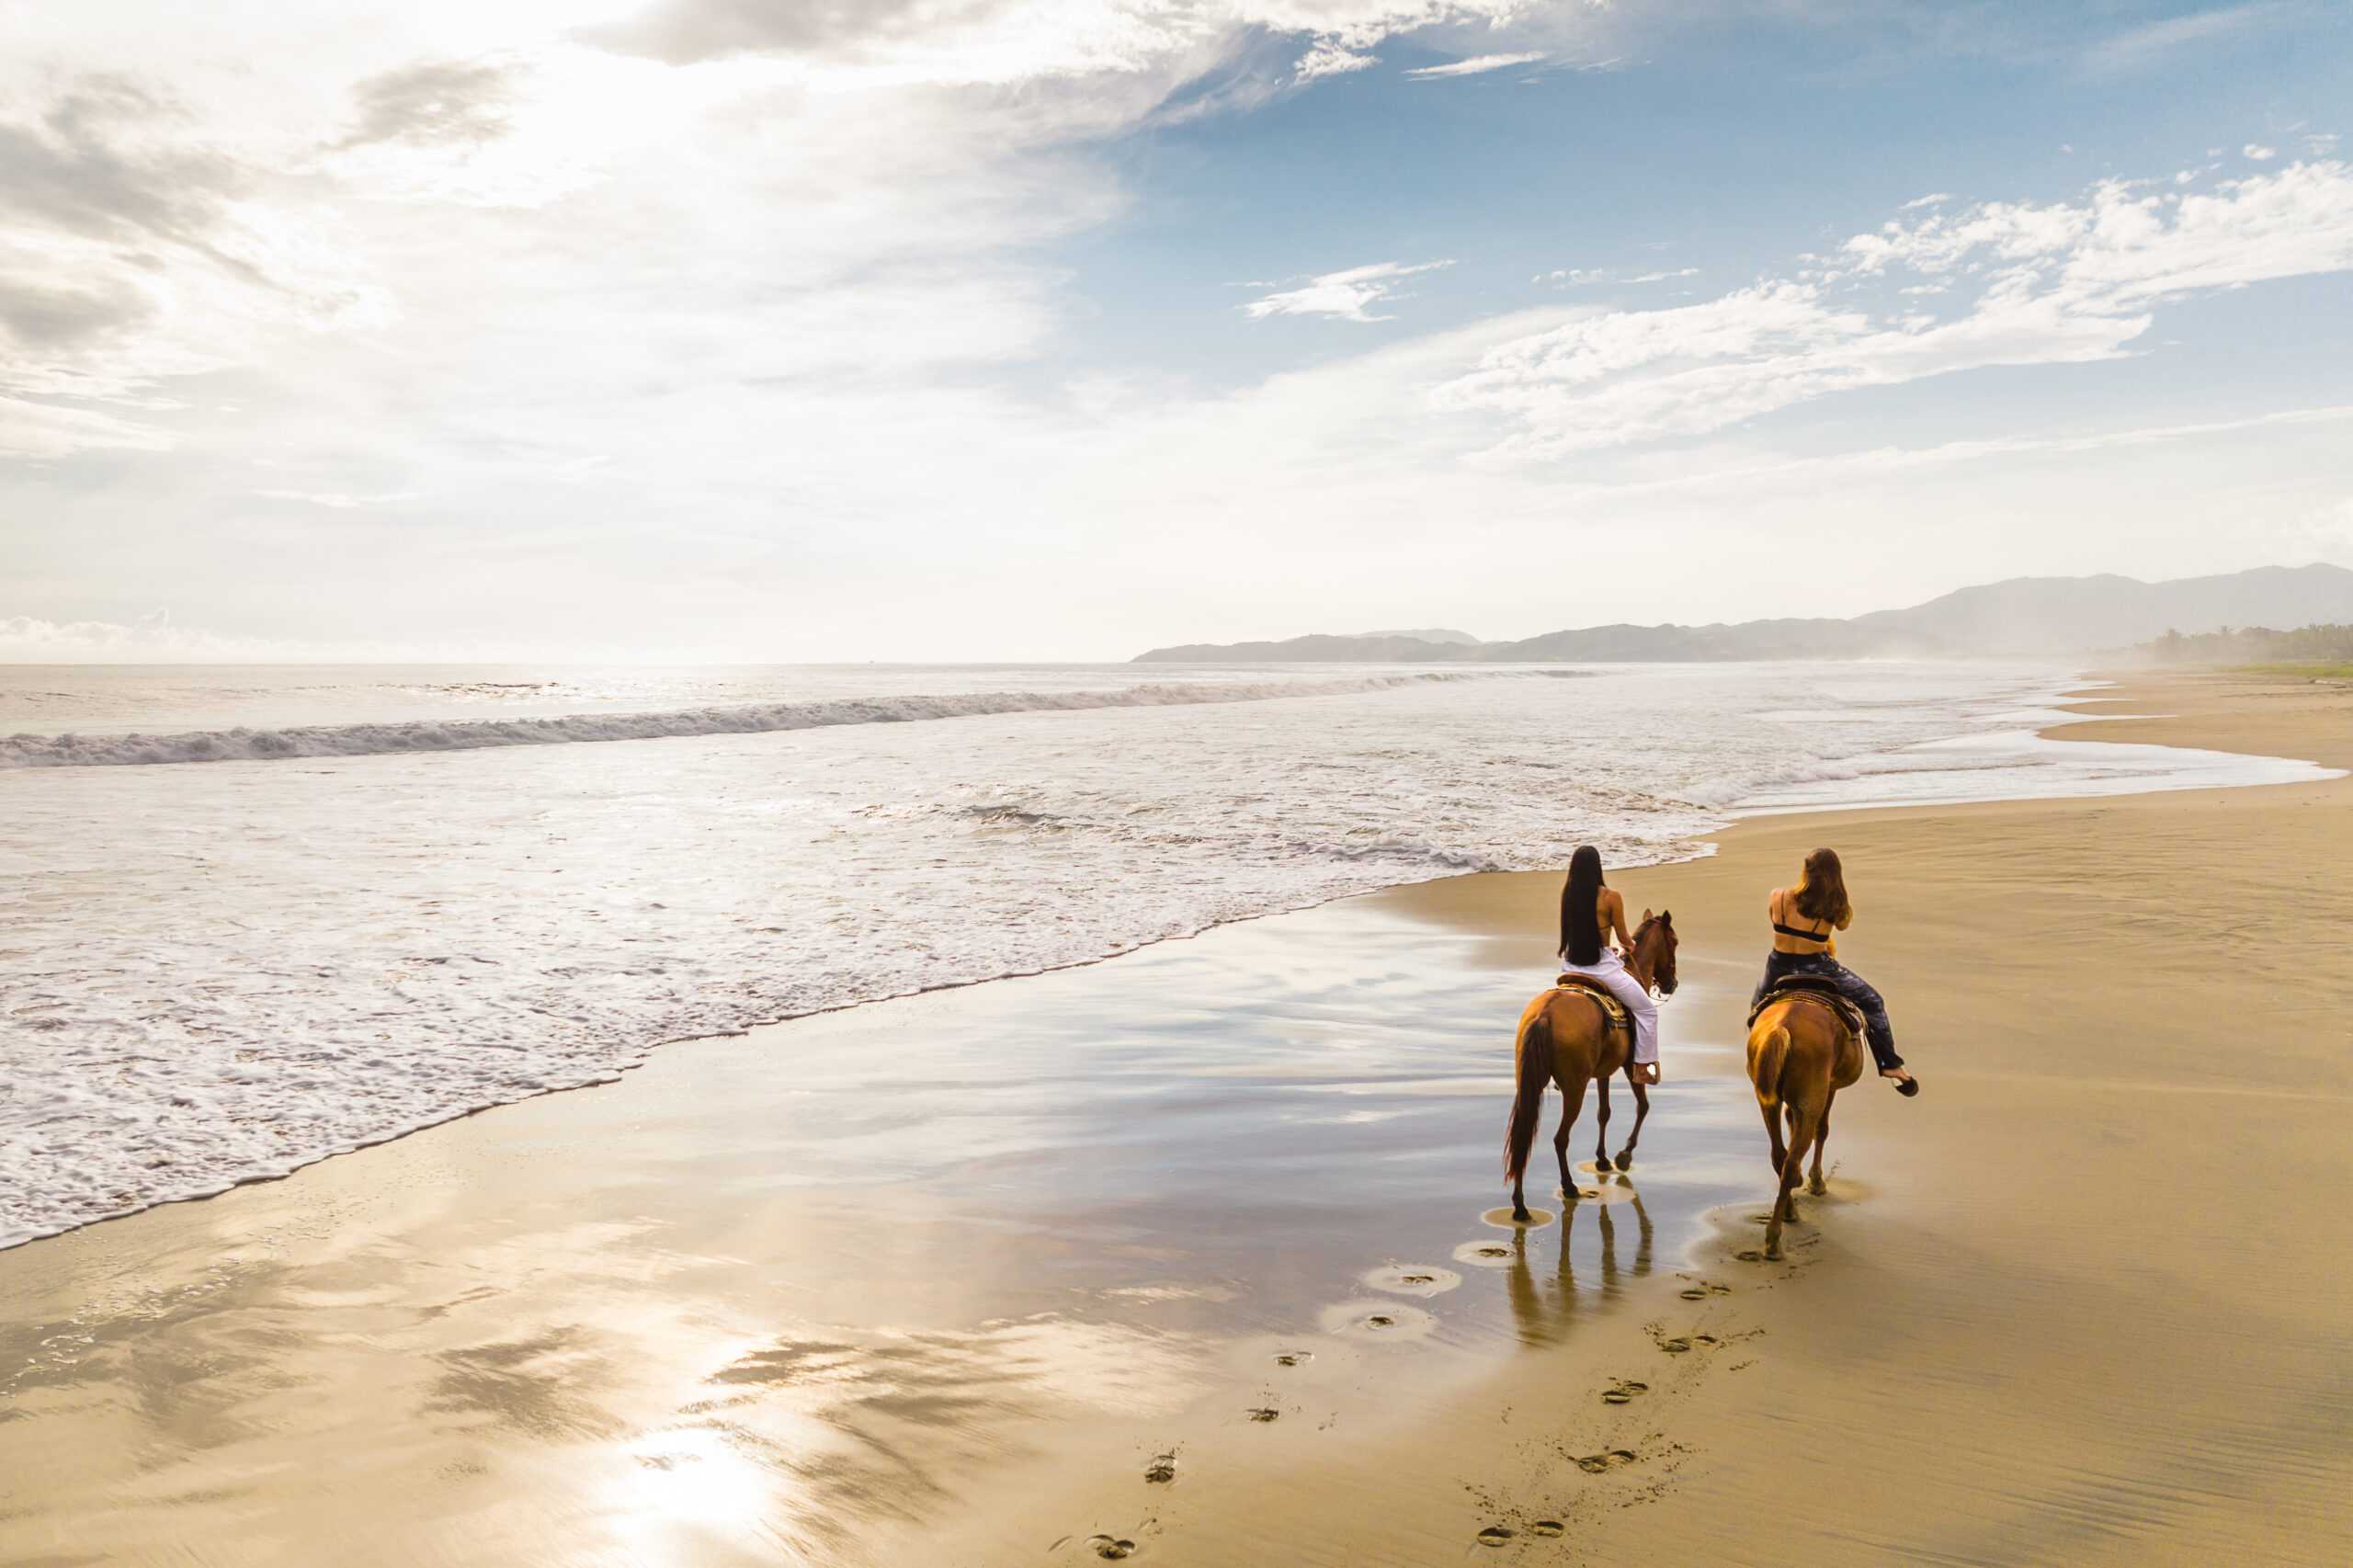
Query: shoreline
point(2038, 1319)
point(608, 1066)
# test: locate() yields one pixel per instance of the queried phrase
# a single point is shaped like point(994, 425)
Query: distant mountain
point(2065, 615)
point(2025, 616)
point(1429, 634)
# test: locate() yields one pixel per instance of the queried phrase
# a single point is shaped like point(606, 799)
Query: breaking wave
point(243, 745)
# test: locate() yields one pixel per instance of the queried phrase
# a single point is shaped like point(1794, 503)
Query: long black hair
point(1580, 907)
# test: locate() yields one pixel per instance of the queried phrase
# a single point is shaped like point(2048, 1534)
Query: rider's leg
point(1878, 1031)
point(1629, 990)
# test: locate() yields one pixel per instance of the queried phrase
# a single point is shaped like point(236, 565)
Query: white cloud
point(2044, 285)
point(332, 499)
point(1472, 66)
point(2260, 154)
point(1930, 200)
point(1344, 296)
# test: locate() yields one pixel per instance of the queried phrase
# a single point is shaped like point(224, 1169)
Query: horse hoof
point(1626, 1162)
point(1817, 1186)
point(1773, 1253)
point(1520, 1217)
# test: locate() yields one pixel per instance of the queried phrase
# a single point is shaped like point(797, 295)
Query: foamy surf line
point(243, 744)
point(220, 975)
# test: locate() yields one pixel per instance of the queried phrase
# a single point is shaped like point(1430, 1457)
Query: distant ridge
point(2023, 617)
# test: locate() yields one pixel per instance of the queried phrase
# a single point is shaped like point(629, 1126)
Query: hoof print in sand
point(1293, 1358)
point(1548, 1529)
point(1624, 1391)
point(1493, 1534)
point(1597, 1464)
point(1162, 1469)
point(1703, 1289)
point(1484, 1254)
point(1111, 1547)
point(1377, 1319)
point(1751, 1255)
point(1411, 1279)
point(1501, 1218)
point(1263, 1413)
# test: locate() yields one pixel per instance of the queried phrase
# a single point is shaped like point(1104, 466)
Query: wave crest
point(243, 745)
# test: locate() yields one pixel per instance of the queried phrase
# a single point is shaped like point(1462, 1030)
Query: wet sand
point(1026, 1272)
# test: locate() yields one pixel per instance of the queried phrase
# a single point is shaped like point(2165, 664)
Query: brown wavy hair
point(1822, 896)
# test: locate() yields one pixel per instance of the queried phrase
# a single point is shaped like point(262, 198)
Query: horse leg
point(1601, 1131)
point(1785, 1207)
point(1773, 1132)
point(1571, 1102)
point(1821, 1136)
point(1642, 1112)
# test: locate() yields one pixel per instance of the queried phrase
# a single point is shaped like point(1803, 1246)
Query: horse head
point(1654, 955)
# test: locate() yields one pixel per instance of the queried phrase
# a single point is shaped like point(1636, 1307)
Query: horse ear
point(1667, 917)
point(1646, 913)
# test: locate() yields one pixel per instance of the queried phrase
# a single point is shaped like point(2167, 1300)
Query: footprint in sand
point(1162, 1469)
point(1596, 1464)
point(1293, 1358)
point(1411, 1279)
point(1624, 1391)
point(1484, 1254)
point(1376, 1320)
point(1111, 1547)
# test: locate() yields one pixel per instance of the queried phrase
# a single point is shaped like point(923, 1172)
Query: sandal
point(1908, 1087)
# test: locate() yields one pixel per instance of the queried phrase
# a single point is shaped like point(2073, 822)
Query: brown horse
point(1801, 1054)
point(1565, 1038)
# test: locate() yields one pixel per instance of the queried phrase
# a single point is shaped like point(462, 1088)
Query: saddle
point(1611, 1008)
point(1810, 988)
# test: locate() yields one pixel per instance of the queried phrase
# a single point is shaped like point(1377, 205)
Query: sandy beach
point(1190, 1256)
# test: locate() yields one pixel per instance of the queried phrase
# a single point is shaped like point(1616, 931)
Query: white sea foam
point(218, 973)
point(245, 744)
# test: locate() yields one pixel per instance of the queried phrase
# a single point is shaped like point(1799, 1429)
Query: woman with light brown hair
point(1806, 919)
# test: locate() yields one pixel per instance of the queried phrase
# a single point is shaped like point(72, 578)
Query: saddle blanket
point(1611, 1007)
point(1810, 988)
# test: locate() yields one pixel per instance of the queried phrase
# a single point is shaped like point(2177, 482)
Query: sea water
point(255, 916)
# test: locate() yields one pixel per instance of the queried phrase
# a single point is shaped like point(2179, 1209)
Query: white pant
point(1611, 972)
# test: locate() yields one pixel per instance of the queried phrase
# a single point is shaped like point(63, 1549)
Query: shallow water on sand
point(787, 1295)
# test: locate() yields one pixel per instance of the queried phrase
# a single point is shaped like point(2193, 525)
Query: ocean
point(258, 915)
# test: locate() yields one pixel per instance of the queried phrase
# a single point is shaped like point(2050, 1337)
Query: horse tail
point(1769, 1056)
point(1528, 1101)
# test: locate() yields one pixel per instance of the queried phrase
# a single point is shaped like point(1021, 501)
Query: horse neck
point(1642, 962)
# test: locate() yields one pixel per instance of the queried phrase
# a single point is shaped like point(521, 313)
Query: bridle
point(1642, 930)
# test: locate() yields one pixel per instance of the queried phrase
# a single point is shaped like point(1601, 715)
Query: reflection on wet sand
point(1544, 1309)
point(805, 1293)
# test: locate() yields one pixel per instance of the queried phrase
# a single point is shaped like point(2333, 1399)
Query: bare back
point(1797, 933)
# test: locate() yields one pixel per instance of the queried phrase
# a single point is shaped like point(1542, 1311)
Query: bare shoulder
point(1612, 901)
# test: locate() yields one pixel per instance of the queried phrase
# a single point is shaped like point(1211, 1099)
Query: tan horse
point(1565, 1038)
point(1801, 1054)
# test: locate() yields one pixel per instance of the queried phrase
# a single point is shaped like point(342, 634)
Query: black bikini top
point(1821, 937)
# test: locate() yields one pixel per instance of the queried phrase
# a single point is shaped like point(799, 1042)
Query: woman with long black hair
point(1591, 914)
point(1806, 920)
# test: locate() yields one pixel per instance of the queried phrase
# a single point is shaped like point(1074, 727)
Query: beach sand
point(1025, 1273)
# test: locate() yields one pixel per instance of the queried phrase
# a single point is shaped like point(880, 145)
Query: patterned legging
point(1779, 965)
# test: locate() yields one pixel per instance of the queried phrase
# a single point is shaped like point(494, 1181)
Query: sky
point(795, 330)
